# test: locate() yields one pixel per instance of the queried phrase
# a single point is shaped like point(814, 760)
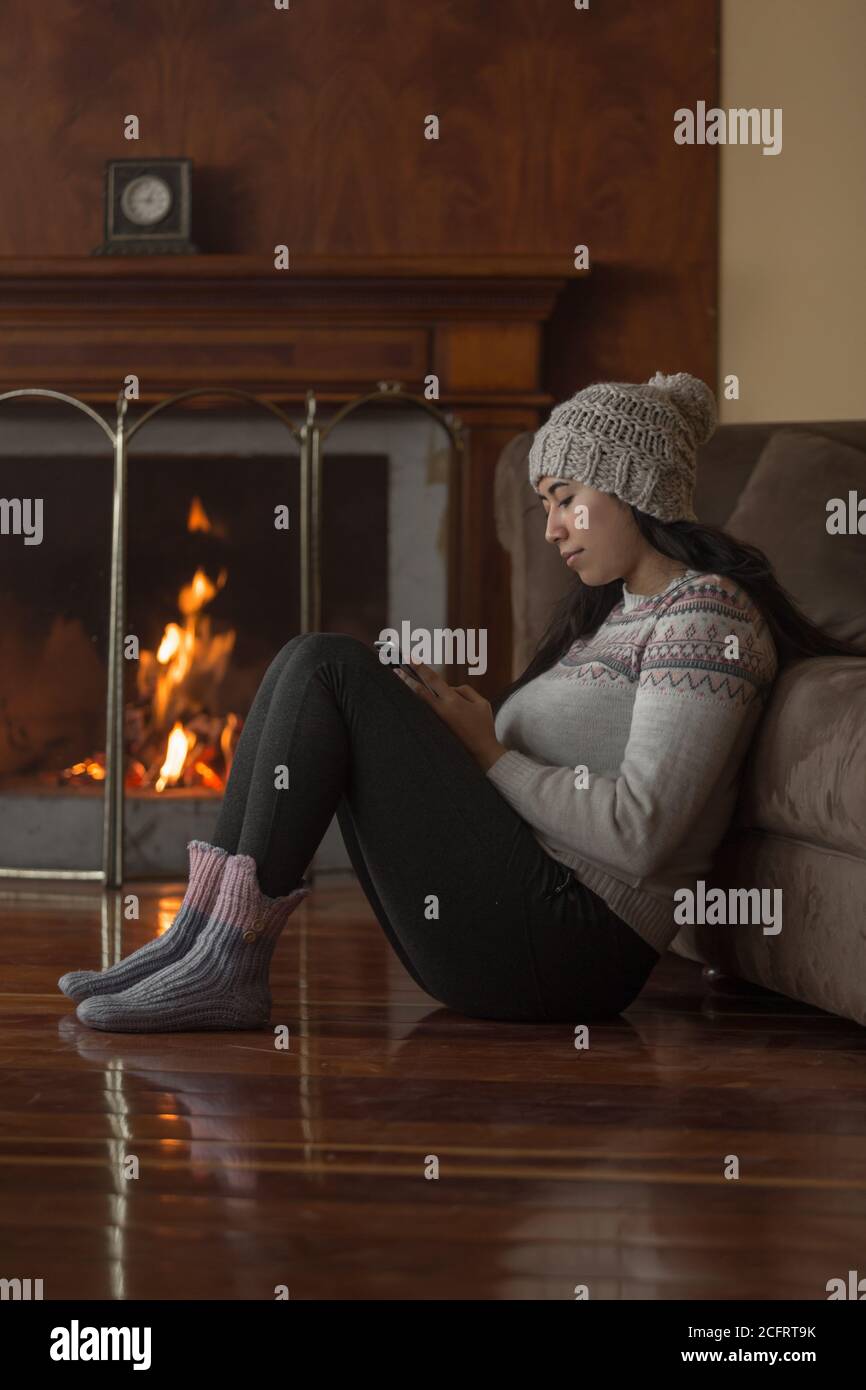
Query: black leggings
point(482, 918)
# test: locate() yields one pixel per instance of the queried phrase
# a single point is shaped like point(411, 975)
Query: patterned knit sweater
point(625, 757)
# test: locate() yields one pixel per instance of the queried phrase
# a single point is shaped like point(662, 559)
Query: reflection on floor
point(313, 1167)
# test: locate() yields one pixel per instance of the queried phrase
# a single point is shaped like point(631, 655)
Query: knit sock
point(206, 863)
point(222, 981)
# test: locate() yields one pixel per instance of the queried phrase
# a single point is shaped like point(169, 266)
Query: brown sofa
point(800, 823)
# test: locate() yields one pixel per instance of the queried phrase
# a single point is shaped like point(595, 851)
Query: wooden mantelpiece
point(336, 324)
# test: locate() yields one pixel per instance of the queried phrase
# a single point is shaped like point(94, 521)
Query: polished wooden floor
point(306, 1168)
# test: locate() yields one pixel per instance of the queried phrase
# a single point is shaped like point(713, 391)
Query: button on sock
point(206, 863)
point(221, 983)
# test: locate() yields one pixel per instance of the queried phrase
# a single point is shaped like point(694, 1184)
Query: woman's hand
point(466, 713)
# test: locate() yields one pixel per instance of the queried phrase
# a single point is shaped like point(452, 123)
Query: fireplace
point(466, 334)
point(213, 591)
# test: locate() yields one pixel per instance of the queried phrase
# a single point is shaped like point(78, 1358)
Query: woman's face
point(595, 529)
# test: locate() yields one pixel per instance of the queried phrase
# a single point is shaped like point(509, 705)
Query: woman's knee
point(282, 658)
point(317, 647)
point(321, 645)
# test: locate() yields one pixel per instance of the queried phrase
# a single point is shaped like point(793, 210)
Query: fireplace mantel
point(340, 325)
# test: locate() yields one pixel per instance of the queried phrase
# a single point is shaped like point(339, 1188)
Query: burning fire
point(172, 737)
point(180, 741)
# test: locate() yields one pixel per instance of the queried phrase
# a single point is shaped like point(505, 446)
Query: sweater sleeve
point(693, 701)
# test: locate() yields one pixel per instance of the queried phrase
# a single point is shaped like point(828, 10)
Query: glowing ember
point(90, 767)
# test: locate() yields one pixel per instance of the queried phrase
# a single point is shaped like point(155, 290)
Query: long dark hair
point(709, 550)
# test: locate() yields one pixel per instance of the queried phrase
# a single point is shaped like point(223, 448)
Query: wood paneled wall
point(306, 126)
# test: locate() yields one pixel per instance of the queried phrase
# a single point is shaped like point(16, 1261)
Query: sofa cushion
point(783, 510)
point(805, 777)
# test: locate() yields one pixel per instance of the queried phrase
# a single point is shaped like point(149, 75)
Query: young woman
point(522, 866)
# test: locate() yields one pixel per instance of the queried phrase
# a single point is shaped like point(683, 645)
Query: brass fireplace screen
point(310, 436)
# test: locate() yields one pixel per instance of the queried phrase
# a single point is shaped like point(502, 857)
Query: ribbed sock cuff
point(206, 864)
point(242, 903)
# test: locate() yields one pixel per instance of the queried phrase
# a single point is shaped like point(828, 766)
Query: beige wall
point(792, 273)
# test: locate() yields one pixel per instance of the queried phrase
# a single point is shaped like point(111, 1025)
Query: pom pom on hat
point(693, 399)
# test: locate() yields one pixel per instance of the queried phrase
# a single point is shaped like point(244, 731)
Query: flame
point(175, 655)
point(176, 685)
point(180, 741)
point(192, 644)
point(188, 648)
point(208, 776)
point(170, 644)
point(193, 597)
point(198, 518)
point(228, 739)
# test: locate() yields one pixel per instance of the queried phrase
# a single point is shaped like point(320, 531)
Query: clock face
point(146, 200)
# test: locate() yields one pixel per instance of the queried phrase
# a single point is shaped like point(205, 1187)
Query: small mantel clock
point(148, 208)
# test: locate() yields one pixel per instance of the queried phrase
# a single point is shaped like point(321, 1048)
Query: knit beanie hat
point(635, 441)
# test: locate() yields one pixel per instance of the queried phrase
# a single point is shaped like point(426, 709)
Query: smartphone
point(404, 665)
